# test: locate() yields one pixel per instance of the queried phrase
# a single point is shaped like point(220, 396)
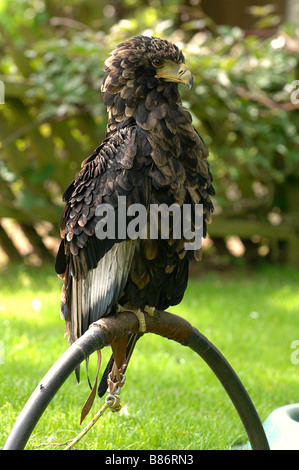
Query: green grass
point(171, 399)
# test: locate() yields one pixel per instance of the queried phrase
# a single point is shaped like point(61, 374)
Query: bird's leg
point(138, 313)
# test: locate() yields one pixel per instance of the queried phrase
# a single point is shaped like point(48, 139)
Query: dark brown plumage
point(151, 155)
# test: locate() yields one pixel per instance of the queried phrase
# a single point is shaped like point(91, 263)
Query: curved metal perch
point(99, 335)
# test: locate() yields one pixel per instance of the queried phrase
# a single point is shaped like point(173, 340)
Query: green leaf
point(40, 175)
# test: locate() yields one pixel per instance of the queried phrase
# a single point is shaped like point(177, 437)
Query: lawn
point(171, 399)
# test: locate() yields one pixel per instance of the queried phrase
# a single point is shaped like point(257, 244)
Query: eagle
point(151, 155)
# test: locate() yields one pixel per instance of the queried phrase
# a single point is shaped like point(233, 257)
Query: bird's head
point(147, 60)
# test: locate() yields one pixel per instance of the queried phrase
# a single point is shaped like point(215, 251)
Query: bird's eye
point(158, 63)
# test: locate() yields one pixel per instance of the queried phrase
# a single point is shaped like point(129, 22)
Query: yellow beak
point(172, 72)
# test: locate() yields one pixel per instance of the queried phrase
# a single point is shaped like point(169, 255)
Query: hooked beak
point(179, 73)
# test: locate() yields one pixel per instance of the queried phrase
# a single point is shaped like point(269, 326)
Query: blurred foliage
point(240, 102)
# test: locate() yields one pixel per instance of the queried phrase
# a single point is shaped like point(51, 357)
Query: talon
point(120, 308)
point(150, 310)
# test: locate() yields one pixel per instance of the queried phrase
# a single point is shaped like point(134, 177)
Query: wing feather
point(93, 297)
point(96, 271)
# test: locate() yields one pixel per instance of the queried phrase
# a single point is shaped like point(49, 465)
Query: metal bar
point(165, 324)
point(234, 388)
point(92, 340)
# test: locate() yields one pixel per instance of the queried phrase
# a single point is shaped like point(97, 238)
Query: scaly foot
point(138, 313)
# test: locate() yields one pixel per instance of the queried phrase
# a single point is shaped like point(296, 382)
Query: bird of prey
point(151, 155)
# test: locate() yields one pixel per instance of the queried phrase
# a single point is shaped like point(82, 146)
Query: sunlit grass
point(171, 399)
